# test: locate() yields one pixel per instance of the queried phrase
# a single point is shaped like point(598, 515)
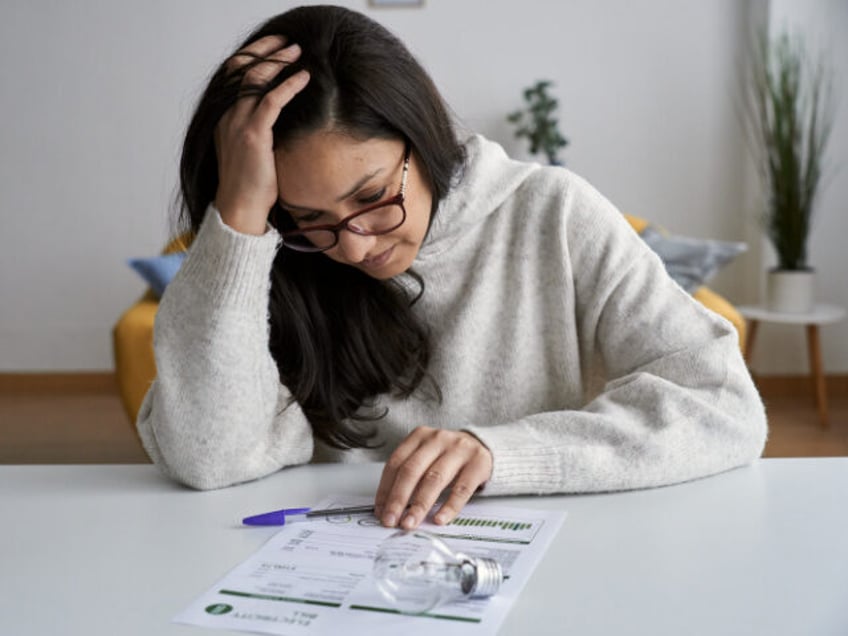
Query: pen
point(278, 517)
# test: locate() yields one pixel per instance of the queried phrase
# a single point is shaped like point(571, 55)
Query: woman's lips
point(378, 261)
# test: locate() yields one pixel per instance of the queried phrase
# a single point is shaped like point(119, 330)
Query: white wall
point(95, 96)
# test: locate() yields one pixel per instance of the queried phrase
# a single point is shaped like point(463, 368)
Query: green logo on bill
point(219, 608)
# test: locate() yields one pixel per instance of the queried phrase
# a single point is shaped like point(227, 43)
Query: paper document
point(314, 576)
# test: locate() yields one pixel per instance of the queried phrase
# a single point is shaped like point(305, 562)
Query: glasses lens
point(378, 221)
point(310, 240)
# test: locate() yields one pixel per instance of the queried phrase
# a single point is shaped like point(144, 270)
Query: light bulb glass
point(416, 571)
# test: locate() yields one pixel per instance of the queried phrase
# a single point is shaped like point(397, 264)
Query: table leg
point(814, 350)
point(749, 340)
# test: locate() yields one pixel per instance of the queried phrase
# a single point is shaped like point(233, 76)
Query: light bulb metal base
point(488, 577)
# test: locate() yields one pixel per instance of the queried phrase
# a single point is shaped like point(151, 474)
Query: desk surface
point(105, 550)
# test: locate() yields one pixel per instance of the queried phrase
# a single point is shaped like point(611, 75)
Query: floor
point(91, 427)
point(66, 428)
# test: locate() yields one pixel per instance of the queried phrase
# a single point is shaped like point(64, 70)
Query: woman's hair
point(339, 337)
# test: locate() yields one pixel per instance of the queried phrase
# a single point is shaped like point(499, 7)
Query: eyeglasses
point(381, 218)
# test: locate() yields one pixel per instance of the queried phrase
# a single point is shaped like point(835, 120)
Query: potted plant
point(538, 124)
point(789, 118)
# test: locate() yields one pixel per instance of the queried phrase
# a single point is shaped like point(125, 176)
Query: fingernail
point(441, 518)
point(389, 520)
point(409, 522)
point(293, 47)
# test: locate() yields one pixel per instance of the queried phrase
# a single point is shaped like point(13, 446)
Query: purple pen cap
point(276, 518)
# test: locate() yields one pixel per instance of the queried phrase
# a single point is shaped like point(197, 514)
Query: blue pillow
point(159, 270)
point(689, 261)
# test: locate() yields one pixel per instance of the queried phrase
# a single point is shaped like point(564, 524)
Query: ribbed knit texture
point(558, 340)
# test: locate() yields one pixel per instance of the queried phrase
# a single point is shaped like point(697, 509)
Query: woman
point(362, 286)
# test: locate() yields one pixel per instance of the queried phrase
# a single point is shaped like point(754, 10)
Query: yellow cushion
point(179, 244)
point(636, 223)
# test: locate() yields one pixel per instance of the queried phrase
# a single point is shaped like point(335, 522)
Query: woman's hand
point(244, 144)
point(426, 462)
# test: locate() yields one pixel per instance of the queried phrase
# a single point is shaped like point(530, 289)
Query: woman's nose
point(354, 247)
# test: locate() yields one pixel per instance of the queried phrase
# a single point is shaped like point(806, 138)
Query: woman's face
point(326, 176)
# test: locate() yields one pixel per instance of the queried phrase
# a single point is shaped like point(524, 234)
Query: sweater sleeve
point(677, 401)
point(217, 413)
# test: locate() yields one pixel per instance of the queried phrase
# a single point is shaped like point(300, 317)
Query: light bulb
point(416, 571)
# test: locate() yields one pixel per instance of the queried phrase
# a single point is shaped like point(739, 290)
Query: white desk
point(118, 550)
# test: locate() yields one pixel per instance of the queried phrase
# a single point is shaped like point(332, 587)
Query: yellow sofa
point(132, 344)
point(132, 336)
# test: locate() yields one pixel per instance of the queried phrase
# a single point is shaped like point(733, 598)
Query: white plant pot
point(791, 291)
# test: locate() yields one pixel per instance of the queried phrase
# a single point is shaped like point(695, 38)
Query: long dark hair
point(339, 337)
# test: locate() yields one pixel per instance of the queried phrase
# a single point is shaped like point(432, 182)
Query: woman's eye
point(373, 198)
point(306, 218)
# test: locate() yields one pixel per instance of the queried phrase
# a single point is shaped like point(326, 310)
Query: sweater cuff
point(519, 465)
point(233, 268)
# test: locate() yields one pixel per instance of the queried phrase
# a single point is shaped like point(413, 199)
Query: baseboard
point(66, 382)
point(796, 386)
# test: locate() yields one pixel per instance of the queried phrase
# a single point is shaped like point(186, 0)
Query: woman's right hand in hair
point(244, 144)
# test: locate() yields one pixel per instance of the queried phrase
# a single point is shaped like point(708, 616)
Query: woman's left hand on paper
point(427, 462)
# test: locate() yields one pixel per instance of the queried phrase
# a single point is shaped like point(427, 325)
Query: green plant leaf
point(537, 123)
point(788, 120)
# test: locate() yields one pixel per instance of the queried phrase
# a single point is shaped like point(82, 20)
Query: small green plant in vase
point(538, 124)
point(789, 117)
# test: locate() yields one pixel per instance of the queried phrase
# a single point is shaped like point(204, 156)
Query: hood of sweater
point(489, 177)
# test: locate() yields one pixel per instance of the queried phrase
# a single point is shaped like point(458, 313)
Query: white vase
point(791, 291)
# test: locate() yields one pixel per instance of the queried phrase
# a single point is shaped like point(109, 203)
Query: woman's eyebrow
point(356, 187)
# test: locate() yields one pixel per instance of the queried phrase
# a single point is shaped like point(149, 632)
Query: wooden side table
point(821, 314)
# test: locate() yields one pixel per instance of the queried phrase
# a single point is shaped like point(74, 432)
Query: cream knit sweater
point(558, 340)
